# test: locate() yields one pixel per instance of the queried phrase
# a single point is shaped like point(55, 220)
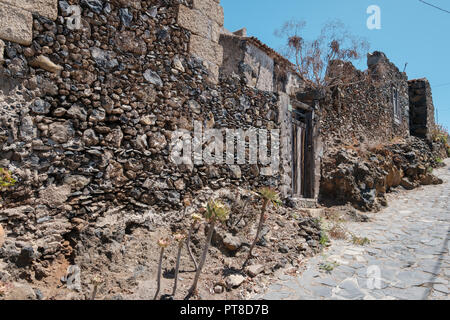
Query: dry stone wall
point(362, 178)
point(89, 103)
point(86, 117)
point(16, 23)
point(204, 19)
point(421, 109)
point(260, 67)
point(243, 58)
point(45, 8)
point(368, 150)
point(363, 111)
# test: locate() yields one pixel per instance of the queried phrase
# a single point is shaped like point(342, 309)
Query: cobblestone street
point(407, 257)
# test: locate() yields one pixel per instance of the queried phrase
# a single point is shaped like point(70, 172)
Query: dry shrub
point(377, 148)
point(398, 140)
point(440, 134)
point(380, 148)
point(332, 214)
point(337, 232)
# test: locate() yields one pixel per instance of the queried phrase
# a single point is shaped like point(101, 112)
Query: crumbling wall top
point(205, 21)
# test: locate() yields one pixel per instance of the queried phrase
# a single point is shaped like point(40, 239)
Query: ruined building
point(92, 90)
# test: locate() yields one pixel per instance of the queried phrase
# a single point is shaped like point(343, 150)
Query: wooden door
point(299, 147)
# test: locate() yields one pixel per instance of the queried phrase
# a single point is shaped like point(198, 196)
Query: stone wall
point(244, 58)
point(16, 23)
point(363, 111)
point(87, 117)
point(260, 67)
point(421, 107)
point(87, 114)
point(204, 19)
point(363, 177)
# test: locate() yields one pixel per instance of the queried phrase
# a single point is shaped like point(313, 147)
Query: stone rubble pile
point(363, 178)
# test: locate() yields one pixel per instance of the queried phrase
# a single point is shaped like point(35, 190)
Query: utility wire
point(442, 85)
point(432, 5)
point(439, 8)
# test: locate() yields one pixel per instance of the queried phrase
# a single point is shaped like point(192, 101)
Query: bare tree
point(312, 58)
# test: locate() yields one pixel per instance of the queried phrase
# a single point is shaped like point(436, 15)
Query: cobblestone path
point(407, 257)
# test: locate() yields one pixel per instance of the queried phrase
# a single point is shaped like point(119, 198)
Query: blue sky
point(411, 32)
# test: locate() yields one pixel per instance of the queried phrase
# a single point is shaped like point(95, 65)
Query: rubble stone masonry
point(421, 109)
point(363, 112)
point(86, 115)
point(45, 8)
point(205, 20)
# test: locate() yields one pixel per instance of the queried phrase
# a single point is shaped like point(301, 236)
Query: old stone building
point(87, 114)
point(373, 108)
point(91, 92)
point(375, 112)
point(260, 67)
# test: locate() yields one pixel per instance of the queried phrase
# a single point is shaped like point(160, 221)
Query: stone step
point(314, 212)
point(303, 203)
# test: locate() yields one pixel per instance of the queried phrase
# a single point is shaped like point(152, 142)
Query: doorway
point(301, 151)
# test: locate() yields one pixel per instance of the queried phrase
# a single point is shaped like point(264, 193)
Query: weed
point(196, 218)
point(324, 239)
point(440, 134)
point(360, 241)
point(333, 215)
point(96, 281)
point(179, 238)
point(6, 179)
point(328, 266)
point(163, 244)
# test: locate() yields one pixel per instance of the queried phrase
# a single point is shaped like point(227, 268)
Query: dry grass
point(377, 148)
point(332, 214)
point(440, 133)
point(337, 232)
point(397, 140)
point(360, 241)
point(355, 148)
point(364, 148)
point(380, 148)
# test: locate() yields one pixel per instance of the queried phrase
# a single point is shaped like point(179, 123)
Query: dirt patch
point(125, 255)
